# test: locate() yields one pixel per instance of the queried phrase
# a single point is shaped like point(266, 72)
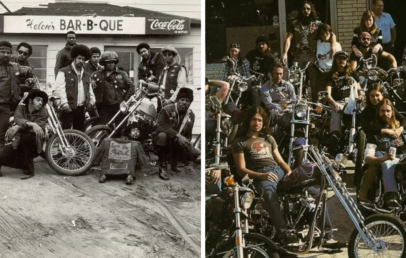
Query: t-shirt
point(368, 61)
point(261, 62)
point(340, 86)
point(323, 54)
point(257, 151)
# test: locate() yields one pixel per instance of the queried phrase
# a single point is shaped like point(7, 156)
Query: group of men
point(87, 80)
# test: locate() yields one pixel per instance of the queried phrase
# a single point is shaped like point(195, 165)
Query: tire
point(198, 143)
point(98, 133)
point(89, 123)
point(359, 159)
point(382, 227)
point(257, 246)
point(80, 156)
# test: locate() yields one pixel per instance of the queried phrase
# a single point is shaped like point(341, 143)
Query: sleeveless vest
point(71, 88)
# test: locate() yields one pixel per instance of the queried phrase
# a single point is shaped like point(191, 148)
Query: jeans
point(74, 119)
point(388, 173)
point(272, 202)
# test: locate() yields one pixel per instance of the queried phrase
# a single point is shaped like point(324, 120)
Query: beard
point(385, 120)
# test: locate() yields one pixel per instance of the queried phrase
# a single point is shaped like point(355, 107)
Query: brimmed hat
point(108, 56)
point(169, 49)
point(262, 38)
point(234, 45)
point(340, 53)
point(185, 93)
point(80, 50)
point(142, 45)
point(37, 93)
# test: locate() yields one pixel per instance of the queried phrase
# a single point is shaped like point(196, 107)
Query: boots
point(366, 183)
point(163, 167)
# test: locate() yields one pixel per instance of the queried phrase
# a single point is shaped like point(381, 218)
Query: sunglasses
point(366, 39)
point(23, 53)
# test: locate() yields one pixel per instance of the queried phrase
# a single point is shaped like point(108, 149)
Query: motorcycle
point(139, 121)
point(68, 152)
point(380, 234)
point(297, 78)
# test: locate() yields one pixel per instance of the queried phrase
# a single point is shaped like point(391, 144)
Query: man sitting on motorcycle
point(27, 135)
point(256, 154)
point(338, 86)
point(377, 150)
point(369, 59)
point(276, 90)
point(174, 132)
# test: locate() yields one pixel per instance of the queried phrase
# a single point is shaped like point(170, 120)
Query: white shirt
point(323, 49)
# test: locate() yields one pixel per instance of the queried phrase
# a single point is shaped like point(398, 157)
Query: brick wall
point(213, 71)
point(349, 13)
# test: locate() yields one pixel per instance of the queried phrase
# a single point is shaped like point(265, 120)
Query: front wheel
point(98, 133)
point(256, 246)
point(74, 159)
point(388, 230)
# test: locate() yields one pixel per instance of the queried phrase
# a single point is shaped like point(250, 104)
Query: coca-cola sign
point(167, 26)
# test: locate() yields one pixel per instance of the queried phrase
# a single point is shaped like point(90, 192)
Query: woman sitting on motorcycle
point(338, 87)
point(323, 57)
point(256, 154)
point(374, 96)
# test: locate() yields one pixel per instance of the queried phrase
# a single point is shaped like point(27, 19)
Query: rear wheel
point(74, 159)
point(389, 232)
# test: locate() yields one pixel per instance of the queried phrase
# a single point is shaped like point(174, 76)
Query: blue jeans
point(272, 202)
point(388, 173)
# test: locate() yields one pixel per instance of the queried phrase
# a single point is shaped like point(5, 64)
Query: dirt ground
point(51, 215)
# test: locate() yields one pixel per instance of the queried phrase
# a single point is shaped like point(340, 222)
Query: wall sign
point(167, 26)
point(93, 25)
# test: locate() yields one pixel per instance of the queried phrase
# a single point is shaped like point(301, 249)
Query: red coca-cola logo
point(175, 24)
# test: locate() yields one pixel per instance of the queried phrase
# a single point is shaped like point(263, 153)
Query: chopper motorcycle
point(138, 123)
point(379, 234)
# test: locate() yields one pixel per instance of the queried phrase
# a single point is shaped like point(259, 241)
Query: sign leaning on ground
point(93, 25)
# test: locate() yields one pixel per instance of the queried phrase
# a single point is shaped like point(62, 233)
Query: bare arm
point(279, 160)
point(390, 58)
point(393, 35)
point(286, 47)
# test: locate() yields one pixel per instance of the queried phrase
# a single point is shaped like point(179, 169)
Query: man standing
point(173, 76)
point(72, 86)
point(28, 133)
point(9, 87)
point(151, 65)
point(385, 22)
point(369, 59)
point(111, 87)
point(92, 65)
point(24, 51)
point(63, 57)
point(174, 132)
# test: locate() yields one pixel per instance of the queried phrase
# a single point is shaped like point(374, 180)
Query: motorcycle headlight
point(301, 110)
point(247, 199)
point(373, 75)
point(294, 78)
point(242, 86)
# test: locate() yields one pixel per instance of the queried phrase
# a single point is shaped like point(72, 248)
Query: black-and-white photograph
point(304, 128)
point(100, 123)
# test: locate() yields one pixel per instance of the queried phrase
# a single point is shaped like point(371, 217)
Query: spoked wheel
point(389, 232)
point(255, 247)
point(98, 133)
point(76, 158)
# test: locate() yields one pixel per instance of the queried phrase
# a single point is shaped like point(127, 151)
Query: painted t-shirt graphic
point(260, 150)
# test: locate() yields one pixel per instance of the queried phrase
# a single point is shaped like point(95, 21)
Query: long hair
point(248, 114)
point(334, 70)
point(240, 58)
point(375, 86)
point(324, 27)
point(313, 12)
point(393, 123)
point(365, 16)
